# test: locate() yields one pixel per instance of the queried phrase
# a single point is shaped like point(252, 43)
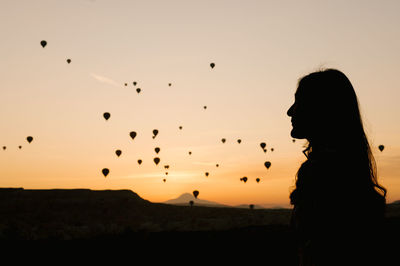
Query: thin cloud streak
point(103, 79)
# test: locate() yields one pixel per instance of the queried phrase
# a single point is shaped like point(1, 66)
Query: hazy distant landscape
point(185, 198)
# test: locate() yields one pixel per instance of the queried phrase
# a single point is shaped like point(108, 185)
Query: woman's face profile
point(299, 118)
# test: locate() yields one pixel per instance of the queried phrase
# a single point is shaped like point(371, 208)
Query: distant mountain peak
point(185, 198)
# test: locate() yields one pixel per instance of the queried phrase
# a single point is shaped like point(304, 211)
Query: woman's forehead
point(301, 92)
point(297, 94)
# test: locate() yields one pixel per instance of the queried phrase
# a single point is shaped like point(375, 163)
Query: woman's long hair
point(336, 125)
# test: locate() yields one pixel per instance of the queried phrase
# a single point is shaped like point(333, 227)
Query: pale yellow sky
point(260, 48)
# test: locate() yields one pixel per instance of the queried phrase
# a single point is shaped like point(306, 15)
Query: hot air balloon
point(138, 90)
point(139, 161)
point(155, 132)
point(4, 147)
point(258, 180)
point(263, 145)
point(381, 147)
point(212, 65)
point(267, 164)
point(164, 180)
point(239, 140)
point(166, 173)
point(244, 179)
point(68, 60)
point(190, 152)
point(207, 173)
point(205, 107)
point(43, 43)
point(169, 84)
point(293, 140)
point(223, 140)
point(29, 139)
point(126, 84)
point(106, 115)
point(272, 149)
point(157, 149)
point(134, 83)
point(156, 160)
point(105, 171)
point(118, 152)
point(195, 193)
point(180, 127)
point(217, 165)
point(166, 166)
point(20, 147)
point(132, 134)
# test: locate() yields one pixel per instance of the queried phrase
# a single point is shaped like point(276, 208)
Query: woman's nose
point(290, 111)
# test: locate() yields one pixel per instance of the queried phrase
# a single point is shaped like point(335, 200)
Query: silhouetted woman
point(338, 203)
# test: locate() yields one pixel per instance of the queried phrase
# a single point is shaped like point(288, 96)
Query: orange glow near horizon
point(260, 50)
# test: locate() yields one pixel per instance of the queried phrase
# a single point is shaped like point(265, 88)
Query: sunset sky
point(260, 50)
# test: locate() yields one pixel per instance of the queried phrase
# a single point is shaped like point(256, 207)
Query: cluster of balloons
point(43, 43)
point(138, 90)
point(244, 179)
point(28, 138)
point(133, 134)
point(263, 145)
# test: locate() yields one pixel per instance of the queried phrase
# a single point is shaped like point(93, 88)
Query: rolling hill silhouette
point(89, 214)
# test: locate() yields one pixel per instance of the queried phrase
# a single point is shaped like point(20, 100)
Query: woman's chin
point(296, 134)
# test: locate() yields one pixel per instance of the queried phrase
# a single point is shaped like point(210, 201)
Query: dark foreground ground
point(121, 218)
